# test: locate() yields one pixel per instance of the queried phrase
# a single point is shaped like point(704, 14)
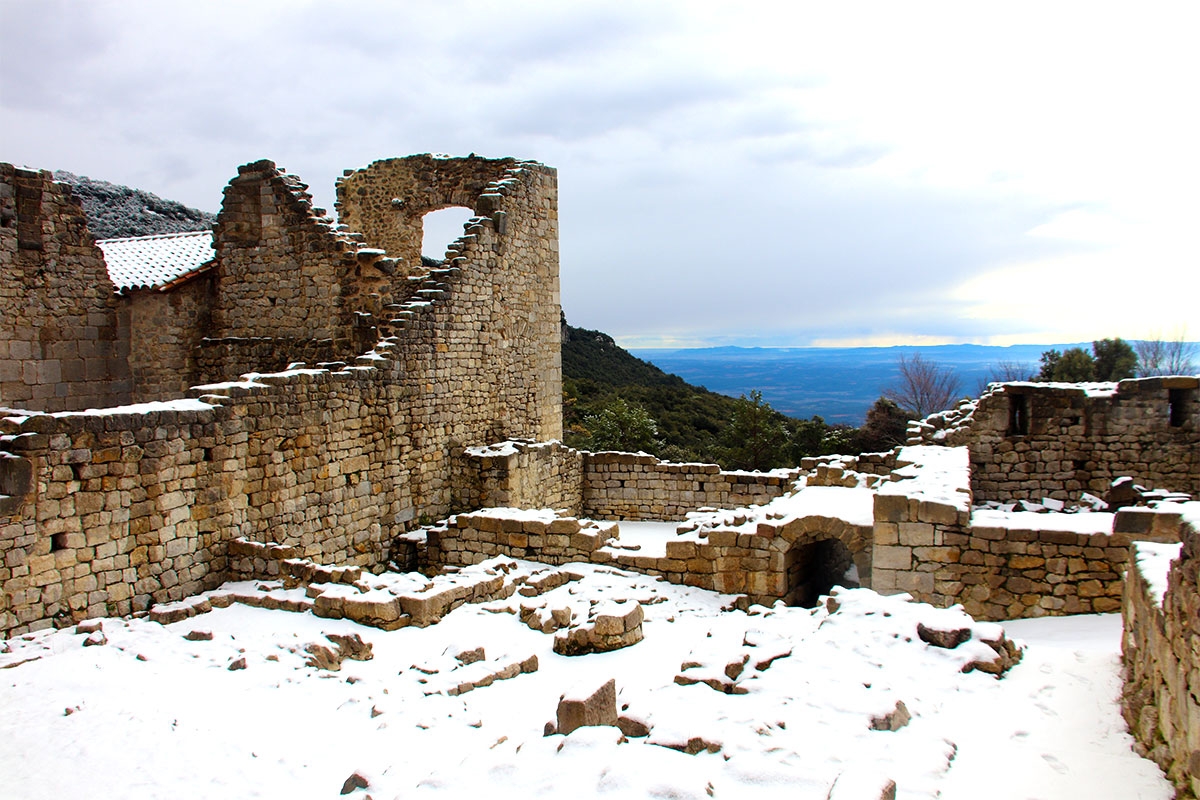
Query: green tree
point(886, 427)
point(1115, 359)
point(1076, 364)
point(807, 438)
point(756, 438)
point(1072, 366)
point(620, 425)
point(1049, 360)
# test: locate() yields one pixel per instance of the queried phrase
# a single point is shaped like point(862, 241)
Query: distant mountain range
point(838, 384)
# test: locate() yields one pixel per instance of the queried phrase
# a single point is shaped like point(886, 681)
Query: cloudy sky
point(756, 173)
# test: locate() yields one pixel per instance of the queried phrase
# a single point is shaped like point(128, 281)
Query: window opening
point(1177, 403)
point(1018, 415)
point(440, 228)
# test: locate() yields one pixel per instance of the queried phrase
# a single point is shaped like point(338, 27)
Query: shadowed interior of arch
point(440, 228)
point(815, 567)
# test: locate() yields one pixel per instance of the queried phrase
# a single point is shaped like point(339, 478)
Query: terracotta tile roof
point(156, 262)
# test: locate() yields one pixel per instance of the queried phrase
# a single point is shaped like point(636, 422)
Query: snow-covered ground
point(151, 713)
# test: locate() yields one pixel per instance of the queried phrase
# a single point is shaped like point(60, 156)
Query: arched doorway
point(815, 567)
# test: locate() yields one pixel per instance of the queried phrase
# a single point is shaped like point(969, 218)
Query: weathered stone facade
point(1161, 658)
point(64, 340)
point(387, 200)
point(1030, 440)
point(639, 486)
point(110, 511)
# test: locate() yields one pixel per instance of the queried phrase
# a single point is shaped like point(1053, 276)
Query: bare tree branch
point(924, 387)
point(1162, 357)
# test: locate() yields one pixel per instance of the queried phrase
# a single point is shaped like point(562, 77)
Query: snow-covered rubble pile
point(1123, 493)
point(860, 692)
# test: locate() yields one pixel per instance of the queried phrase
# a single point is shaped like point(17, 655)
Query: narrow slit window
point(1177, 403)
point(1018, 415)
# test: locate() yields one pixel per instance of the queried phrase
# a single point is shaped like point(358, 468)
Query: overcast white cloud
point(774, 173)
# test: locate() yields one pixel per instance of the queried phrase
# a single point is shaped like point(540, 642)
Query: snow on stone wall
point(1161, 657)
point(1032, 440)
point(121, 509)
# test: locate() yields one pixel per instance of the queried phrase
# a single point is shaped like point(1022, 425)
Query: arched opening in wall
point(813, 568)
point(440, 228)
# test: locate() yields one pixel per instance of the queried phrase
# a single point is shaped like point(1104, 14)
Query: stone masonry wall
point(1030, 440)
point(543, 536)
point(998, 567)
point(165, 330)
point(638, 486)
point(387, 200)
point(1160, 654)
point(63, 342)
point(286, 278)
point(522, 474)
point(335, 461)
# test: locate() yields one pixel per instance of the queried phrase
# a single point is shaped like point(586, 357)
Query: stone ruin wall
point(609, 485)
point(523, 474)
point(1030, 441)
point(1160, 654)
point(387, 200)
point(109, 512)
point(639, 486)
point(1003, 571)
point(927, 545)
point(165, 331)
point(288, 284)
point(64, 340)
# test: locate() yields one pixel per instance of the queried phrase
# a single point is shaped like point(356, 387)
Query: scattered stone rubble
point(466, 670)
point(731, 673)
point(610, 626)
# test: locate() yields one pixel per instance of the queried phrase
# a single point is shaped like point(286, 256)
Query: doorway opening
point(815, 568)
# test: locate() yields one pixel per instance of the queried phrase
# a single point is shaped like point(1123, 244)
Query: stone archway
point(817, 553)
point(816, 567)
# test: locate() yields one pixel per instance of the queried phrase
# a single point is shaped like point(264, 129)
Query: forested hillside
point(613, 400)
point(115, 211)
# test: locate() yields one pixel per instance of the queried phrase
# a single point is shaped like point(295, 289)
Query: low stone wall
point(639, 486)
point(541, 535)
point(1010, 566)
point(753, 560)
point(1161, 658)
point(522, 474)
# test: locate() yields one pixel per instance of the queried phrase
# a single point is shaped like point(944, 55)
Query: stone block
point(892, 557)
point(582, 707)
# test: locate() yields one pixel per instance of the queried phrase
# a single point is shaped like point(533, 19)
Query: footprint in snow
point(1055, 764)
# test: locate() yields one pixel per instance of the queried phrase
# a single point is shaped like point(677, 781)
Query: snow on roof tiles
point(147, 262)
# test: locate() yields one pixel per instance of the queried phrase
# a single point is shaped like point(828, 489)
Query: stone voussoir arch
point(799, 535)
